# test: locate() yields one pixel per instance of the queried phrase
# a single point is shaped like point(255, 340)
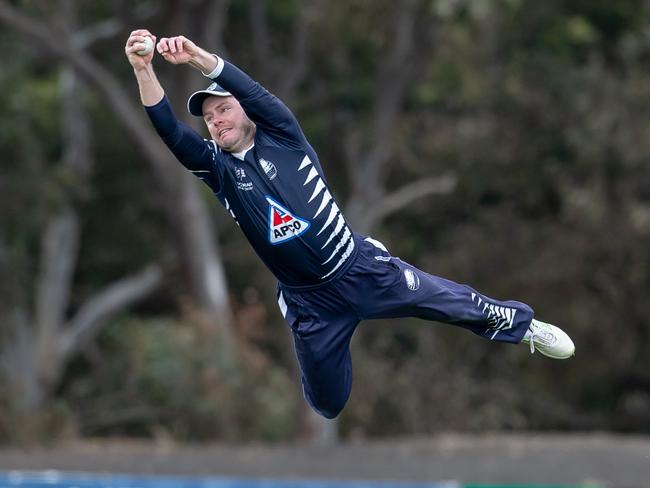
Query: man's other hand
point(177, 50)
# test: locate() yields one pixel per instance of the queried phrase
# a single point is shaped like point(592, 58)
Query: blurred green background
point(503, 143)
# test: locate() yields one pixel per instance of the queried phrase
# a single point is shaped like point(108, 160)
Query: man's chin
point(226, 146)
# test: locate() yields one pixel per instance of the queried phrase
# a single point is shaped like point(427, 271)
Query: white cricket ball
point(148, 46)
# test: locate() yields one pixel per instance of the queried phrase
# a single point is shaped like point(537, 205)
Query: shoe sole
point(556, 357)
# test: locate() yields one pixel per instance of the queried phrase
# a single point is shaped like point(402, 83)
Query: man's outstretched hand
point(177, 50)
point(134, 44)
point(181, 50)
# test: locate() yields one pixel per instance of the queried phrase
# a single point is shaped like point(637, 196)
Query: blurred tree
point(528, 119)
point(34, 357)
point(194, 233)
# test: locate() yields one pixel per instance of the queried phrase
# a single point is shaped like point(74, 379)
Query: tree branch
point(394, 72)
point(87, 36)
point(404, 196)
point(214, 13)
point(261, 40)
point(60, 244)
point(296, 65)
point(367, 170)
point(100, 308)
point(59, 249)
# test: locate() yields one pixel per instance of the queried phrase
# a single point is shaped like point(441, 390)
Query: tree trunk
point(36, 359)
point(371, 154)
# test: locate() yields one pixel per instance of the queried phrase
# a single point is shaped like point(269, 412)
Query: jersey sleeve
point(197, 154)
point(262, 107)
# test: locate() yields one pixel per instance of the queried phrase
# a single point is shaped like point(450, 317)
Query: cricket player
point(263, 170)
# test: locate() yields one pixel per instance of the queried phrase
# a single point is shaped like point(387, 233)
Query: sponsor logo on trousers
point(412, 279)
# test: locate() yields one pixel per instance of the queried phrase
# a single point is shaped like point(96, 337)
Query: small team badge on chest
point(269, 168)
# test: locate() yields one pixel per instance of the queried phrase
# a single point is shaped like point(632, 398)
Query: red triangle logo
point(283, 225)
point(279, 219)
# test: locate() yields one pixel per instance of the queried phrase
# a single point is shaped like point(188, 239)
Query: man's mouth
point(222, 132)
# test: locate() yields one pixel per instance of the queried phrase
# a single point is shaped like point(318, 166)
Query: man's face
point(228, 124)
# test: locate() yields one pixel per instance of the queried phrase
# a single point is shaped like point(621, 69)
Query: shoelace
point(546, 336)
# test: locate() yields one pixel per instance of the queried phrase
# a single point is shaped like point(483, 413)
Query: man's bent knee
point(325, 407)
point(327, 412)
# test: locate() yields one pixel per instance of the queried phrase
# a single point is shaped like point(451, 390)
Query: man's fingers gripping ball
point(144, 47)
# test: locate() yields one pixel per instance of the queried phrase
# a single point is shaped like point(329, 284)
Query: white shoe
point(549, 340)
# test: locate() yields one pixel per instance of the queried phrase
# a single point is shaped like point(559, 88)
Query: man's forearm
point(151, 91)
point(204, 61)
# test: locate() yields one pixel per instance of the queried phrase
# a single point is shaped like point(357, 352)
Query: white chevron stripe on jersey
point(305, 162)
point(327, 197)
point(346, 236)
point(330, 217)
point(376, 243)
point(339, 225)
point(283, 305)
point(345, 256)
point(230, 210)
point(319, 187)
point(312, 174)
point(217, 149)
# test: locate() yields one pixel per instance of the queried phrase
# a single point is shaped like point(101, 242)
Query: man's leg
point(322, 326)
point(394, 288)
point(434, 298)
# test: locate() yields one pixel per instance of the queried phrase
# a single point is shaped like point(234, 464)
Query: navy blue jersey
point(277, 193)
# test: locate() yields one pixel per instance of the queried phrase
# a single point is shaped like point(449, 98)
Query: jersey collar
point(242, 154)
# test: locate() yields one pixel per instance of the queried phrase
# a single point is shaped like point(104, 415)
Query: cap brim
point(195, 102)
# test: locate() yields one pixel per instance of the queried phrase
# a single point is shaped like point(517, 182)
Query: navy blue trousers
point(373, 285)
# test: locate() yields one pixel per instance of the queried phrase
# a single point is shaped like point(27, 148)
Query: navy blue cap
point(195, 102)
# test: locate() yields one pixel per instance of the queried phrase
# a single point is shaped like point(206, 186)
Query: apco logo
point(283, 225)
point(269, 168)
point(243, 182)
point(412, 280)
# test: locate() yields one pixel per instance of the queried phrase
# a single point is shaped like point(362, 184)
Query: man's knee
point(326, 405)
point(327, 411)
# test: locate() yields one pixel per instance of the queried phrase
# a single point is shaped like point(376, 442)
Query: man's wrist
point(204, 61)
point(144, 72)
point(217, 69)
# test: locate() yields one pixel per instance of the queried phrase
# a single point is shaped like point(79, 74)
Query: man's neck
point(242, 154)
